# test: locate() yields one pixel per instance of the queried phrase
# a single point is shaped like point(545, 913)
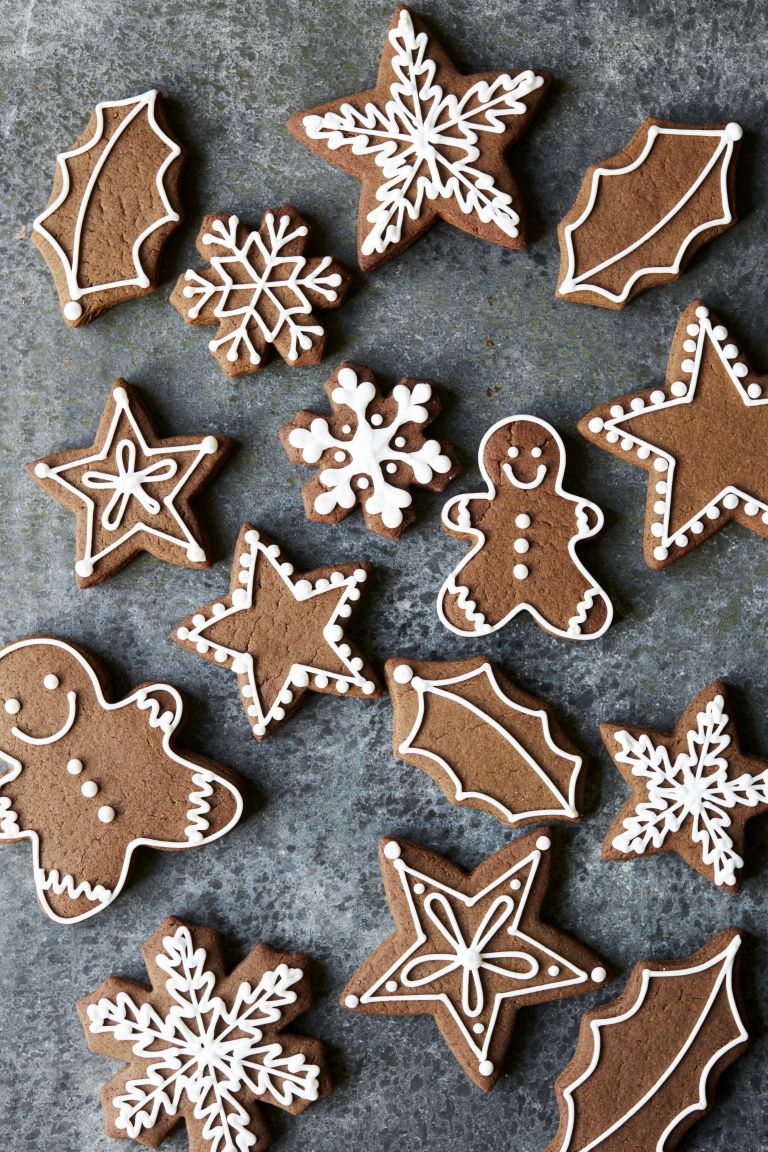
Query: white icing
point(59, 734)
point(128, 483)
point(106, 814)
point(50, 681)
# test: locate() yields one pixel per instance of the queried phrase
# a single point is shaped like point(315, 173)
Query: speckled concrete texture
point(301, 868)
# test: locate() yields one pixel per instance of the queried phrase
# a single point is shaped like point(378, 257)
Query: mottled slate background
point(301, 869)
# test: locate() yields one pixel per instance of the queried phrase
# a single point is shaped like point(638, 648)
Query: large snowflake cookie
point(486, 743)
point(693, 789)
point(470, 949)
point(701, 438)
point(525, 531)
point(261, 289)
point(281, 632)
point(371, 449)
point(131, 490)
point(88, 780)
point(203, 1046)
point(640, 216)
point(115, 202)
point(427, 142)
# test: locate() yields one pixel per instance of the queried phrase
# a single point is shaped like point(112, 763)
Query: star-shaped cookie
point(427, 142)
point(693, 789)
point(470, 949)
point(279, 631)
point(132, 491)
point(701, 438)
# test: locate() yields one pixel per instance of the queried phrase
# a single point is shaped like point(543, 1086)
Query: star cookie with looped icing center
point(701, 438)
point(279, 631)
point(427, 142)
point(132, 491)
point(470, 949)
point(693, 789)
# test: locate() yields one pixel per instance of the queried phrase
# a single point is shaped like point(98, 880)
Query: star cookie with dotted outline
point(132, 491)
point(701, 438)
point(279, 631)
point(470, 948)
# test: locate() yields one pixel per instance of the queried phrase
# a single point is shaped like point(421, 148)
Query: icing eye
point(50, 681)
point(12, 706)
point(513, 452)
point(535, 452)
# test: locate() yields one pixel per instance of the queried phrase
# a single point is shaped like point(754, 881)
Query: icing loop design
point(128, 484)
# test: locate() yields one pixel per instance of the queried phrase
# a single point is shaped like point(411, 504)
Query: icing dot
point(637, 404)
point(42, 470)
point(89, 789)
point(218, 609)
point(730, 351)
point(337, 578)
point(400, 441)
point(84, 568)
point(661, 487)
point(12, 706)
point(485, 1068)
point(377, 419)
point(273, 551)
point(369, 687)
point(754, 390)
point(74, 767)
point(195, 554)
point(731, 501)
point(660, 553)
point(678, 388)
point(702, 312)
point(321, 680)
point(521, 546)
point(643, 452)
point(363, 482)
point(342, 686)
point(697, 527)
point(681, 541)
point(209, 445)
point(713, 512)
point(520, 572)
point(660, 507)
point(419, 889)
point(302, 589)
point(106, 814)
point(334, 633)
point(764, 517)
point(73, 310)
point(543, 843)
point(751, 508)
point(688, 366)
point(402, 674)
point(391, 468)
point(392, 850)
point(553, 970)
point(536, 452)
point(523, 520)
point(734, 130)
point(251, 536)
point(598, 975)
point(740, 370)
point(692, 329)
point(612, 436)
point(626, 443)
point(478, 1028)
point(657, 397)
point(391, 985)
point(220, 656)
point(690, 345)
point(360, 575)
point(660, 464)
point(616, 410)
point(351, 1001)
point(339, 455)
point(657, 530)
point(720, 333)
point(513, 452)
point(515, 884)
point(259, 729)
point(347, 377)
point(346, 430)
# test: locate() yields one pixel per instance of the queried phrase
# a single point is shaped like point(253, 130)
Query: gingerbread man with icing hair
point(525, 529)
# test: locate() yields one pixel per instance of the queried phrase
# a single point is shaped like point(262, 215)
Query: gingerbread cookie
point(261, 290)
point(525, 531)
point(115, 202)
point(647, 1064)
point(641, 216)
point(132, 492)
point(483, 741)
point(88, 780)
point(371, 449)
point(701, 438)
point(279, 631)
point(203, 1046)
point(469, 948)
point(427, 142)
point(693, 789)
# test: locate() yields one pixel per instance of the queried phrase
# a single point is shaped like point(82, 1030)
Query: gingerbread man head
point(523, 453)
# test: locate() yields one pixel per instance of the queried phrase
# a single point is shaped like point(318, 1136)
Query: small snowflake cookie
point(525, 531)
point(427, 142)
point(261, 289)
point(701, 438)
point(371, 449)
point(470, 948)
point(115, 202)
point(87, 779)
point(132, 491)
point(203, 1046)
point(693, 789)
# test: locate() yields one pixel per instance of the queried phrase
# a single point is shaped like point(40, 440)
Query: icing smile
point(72, 699)
point(509, 472)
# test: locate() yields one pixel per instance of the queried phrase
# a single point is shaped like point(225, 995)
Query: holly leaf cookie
point(88, 780)
point(701, 438)
point(641, 216)
point(693, 789)
point(132, 491)
point(525, 530)
point(371, 449)
point(115, 202)
point(261, 289)
point(470, 948)
point(279, 631)
point(647, 1064)
point(427, 143)
point(483, 741)
point(202, 1046)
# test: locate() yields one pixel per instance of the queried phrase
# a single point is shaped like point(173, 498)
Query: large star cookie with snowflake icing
point(281, 632)
point(202, 1046)
point(131, 490)
point(701, 438)
point(470, 949)
point(371, 449)
point(693, 789)
point(261, 289)
point(427, 142)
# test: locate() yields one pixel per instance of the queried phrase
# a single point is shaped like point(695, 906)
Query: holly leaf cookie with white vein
point(370, 450)
point(427, 142)
point(115, 202)
point(281, 632)
point(88, 779)
point(131, 490)
point(647, 1065)
point(470, 949)
point(203, 1046)
point(701, 438)
point(525, 531)
point(693, 789)
point(483, 741)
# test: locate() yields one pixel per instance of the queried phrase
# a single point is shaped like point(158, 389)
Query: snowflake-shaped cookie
point(203, 1046)
point(261, 289)
point(371, 450)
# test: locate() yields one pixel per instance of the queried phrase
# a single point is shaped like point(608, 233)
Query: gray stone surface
point(301, 869)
